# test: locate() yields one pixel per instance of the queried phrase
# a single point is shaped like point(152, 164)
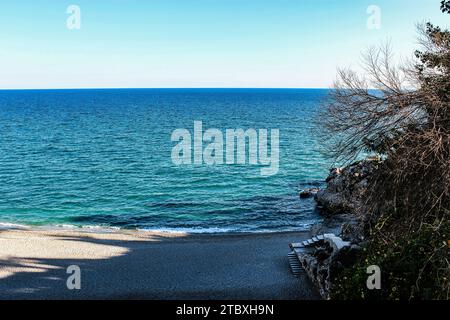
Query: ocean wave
point(13, 226)
point(9, 226)
point(169, 230)
point(191, 230)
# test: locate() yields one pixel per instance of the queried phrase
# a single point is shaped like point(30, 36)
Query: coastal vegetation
point(401, 115)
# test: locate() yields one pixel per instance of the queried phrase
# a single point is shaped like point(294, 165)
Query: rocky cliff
point(343, 204)
point(346, 188)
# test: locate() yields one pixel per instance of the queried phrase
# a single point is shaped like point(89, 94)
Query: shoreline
point(133, 264)
point(161, 231)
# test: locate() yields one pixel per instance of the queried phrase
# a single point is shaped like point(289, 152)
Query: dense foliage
point(445, 6)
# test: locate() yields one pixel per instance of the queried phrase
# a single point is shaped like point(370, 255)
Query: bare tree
point(402, 114)
point(366, 114)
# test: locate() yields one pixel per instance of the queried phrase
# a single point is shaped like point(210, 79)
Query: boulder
point(308, 192)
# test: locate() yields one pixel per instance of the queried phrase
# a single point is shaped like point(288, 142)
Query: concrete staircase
point(294, 262)
point(301, 250)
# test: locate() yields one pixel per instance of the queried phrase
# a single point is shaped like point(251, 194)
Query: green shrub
point(413, 266)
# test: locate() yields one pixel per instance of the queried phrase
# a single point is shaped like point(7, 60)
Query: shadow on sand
point(154, 267)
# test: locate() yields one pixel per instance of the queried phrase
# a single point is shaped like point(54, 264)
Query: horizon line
point(169, 88)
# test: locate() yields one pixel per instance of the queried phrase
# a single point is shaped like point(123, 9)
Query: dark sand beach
point(143, 265)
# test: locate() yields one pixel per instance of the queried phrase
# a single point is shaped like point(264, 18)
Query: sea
point(102, 158)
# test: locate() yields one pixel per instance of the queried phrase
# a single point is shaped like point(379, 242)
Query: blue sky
point(197, 43)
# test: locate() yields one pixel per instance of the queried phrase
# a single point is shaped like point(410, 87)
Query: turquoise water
point(103, 158)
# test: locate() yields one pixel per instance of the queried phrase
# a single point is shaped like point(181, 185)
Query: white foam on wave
point(193, 230)
point(96, 227)
point(7, 225)
point(83, 227)
point(12, 226)
point(189, 230)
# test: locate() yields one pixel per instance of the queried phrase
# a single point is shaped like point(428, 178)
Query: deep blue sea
point(103, 158)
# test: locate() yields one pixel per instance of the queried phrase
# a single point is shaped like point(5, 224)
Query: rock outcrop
point(342, 203)
point(306, 193)
point(346, 188)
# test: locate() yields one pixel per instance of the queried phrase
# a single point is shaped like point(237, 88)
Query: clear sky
point(197, 43)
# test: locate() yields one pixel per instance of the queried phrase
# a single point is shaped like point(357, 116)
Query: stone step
point(294, 263)
point(336, 242)
point(296, 245)
point(311, 241)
